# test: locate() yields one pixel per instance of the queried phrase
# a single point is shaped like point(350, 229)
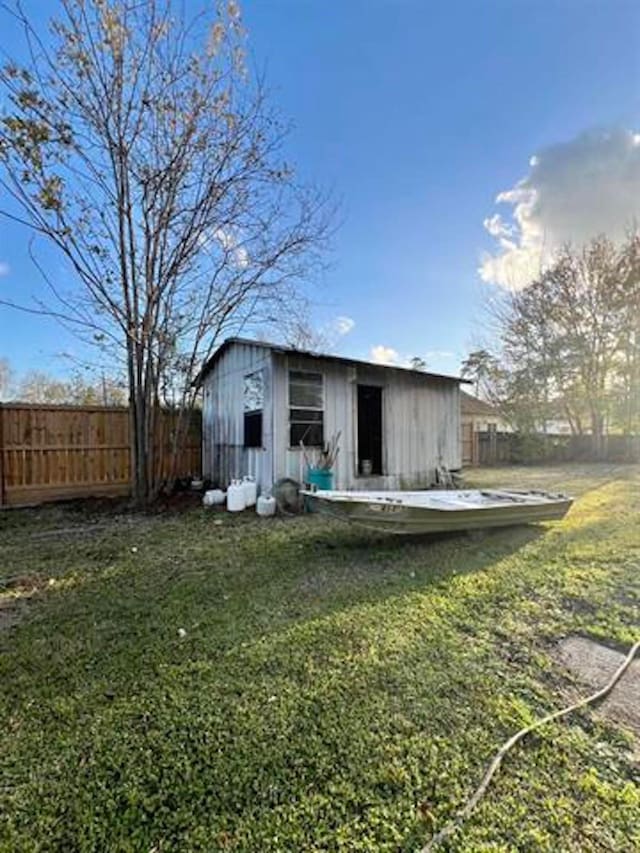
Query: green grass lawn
point(335, 689)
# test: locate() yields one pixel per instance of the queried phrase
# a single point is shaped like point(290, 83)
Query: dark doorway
point(369, 430)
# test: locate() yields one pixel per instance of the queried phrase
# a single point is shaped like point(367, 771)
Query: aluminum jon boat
point(440, 511)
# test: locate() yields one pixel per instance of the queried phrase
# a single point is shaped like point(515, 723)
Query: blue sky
point(417, 115)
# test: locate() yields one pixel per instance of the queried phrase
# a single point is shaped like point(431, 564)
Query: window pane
point(307, 416)
point(305, 376)
point(305, 395)
point(253, 391)
point(253, 429)
point(312, 435)
point(305, 389)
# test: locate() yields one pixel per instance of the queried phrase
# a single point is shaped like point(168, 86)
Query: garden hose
point(480, 791)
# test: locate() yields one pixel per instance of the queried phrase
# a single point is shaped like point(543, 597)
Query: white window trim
point(290, 406)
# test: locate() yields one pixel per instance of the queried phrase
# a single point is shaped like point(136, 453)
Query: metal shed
point(397, 425)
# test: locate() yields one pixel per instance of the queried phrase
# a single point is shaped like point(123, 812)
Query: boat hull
point(440, 512)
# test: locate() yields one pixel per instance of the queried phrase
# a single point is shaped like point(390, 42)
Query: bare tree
point(584, 291)
point(296, 329)
point(569, 340)
point(6, 378)
point(38, 386)
point(627, 397)
point(142, 148)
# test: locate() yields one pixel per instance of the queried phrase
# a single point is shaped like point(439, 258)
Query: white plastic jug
point(235, 496)
point(213, 497)
point(250, 491)
point(266, 506)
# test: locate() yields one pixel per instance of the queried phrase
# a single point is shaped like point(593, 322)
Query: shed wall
point(421, 423)
point(224, 455)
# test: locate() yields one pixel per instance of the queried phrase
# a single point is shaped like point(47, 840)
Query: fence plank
point(537, 448)
point(51, 453)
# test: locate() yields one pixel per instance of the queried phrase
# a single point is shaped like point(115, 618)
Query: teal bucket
point(321, 478)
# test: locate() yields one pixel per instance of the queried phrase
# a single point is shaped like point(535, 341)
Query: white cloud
point(4, 269)
point(384, 355)
point(381, 354)
point(343, 325)
point(230, 244)
point(497, 227)
point(225, 238)
point(574, 191)
point(241, 257)
point(227, 242)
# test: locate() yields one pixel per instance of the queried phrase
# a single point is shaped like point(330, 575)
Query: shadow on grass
point(325, 677)
point(127, 615)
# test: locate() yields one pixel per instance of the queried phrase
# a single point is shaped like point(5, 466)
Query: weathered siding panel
point(421, 424)
point(421, 427)
point(421, 420)
point(224, 455)
point(338, 415)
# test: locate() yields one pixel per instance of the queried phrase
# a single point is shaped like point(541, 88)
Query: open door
point(369, 430)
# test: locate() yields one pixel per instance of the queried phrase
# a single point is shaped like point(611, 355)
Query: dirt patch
point(90, 514)
point(30, 582)
point(80, 530)
point(594, 664)
point(578, 605)
point(113, 525)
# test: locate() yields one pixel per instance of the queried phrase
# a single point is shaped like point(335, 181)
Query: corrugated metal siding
point(421, 423)
point(338, 415)
point(224, 456)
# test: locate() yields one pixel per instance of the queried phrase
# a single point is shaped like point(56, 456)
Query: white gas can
point(266, 506)
point(250, 491)
point(213, 497)
point(235, 496)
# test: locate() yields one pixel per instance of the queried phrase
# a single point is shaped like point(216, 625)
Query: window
point(253, 405)
point(306, 409)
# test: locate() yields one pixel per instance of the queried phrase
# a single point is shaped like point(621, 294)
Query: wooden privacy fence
point(507, 448)
point(55, 452)
point(469, 440)
point(494, 448)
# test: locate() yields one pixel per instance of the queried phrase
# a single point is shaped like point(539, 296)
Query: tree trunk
point(140, 451)
point(597, 435)
point(137, 425)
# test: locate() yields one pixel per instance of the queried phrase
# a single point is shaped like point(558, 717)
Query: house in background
point(261, 400)
point(477, 416)
point(559, 425)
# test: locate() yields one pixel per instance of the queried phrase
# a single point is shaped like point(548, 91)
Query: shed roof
point(470, 405)
point(287, 350)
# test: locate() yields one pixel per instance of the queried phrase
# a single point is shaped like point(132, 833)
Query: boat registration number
point(386, 508)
